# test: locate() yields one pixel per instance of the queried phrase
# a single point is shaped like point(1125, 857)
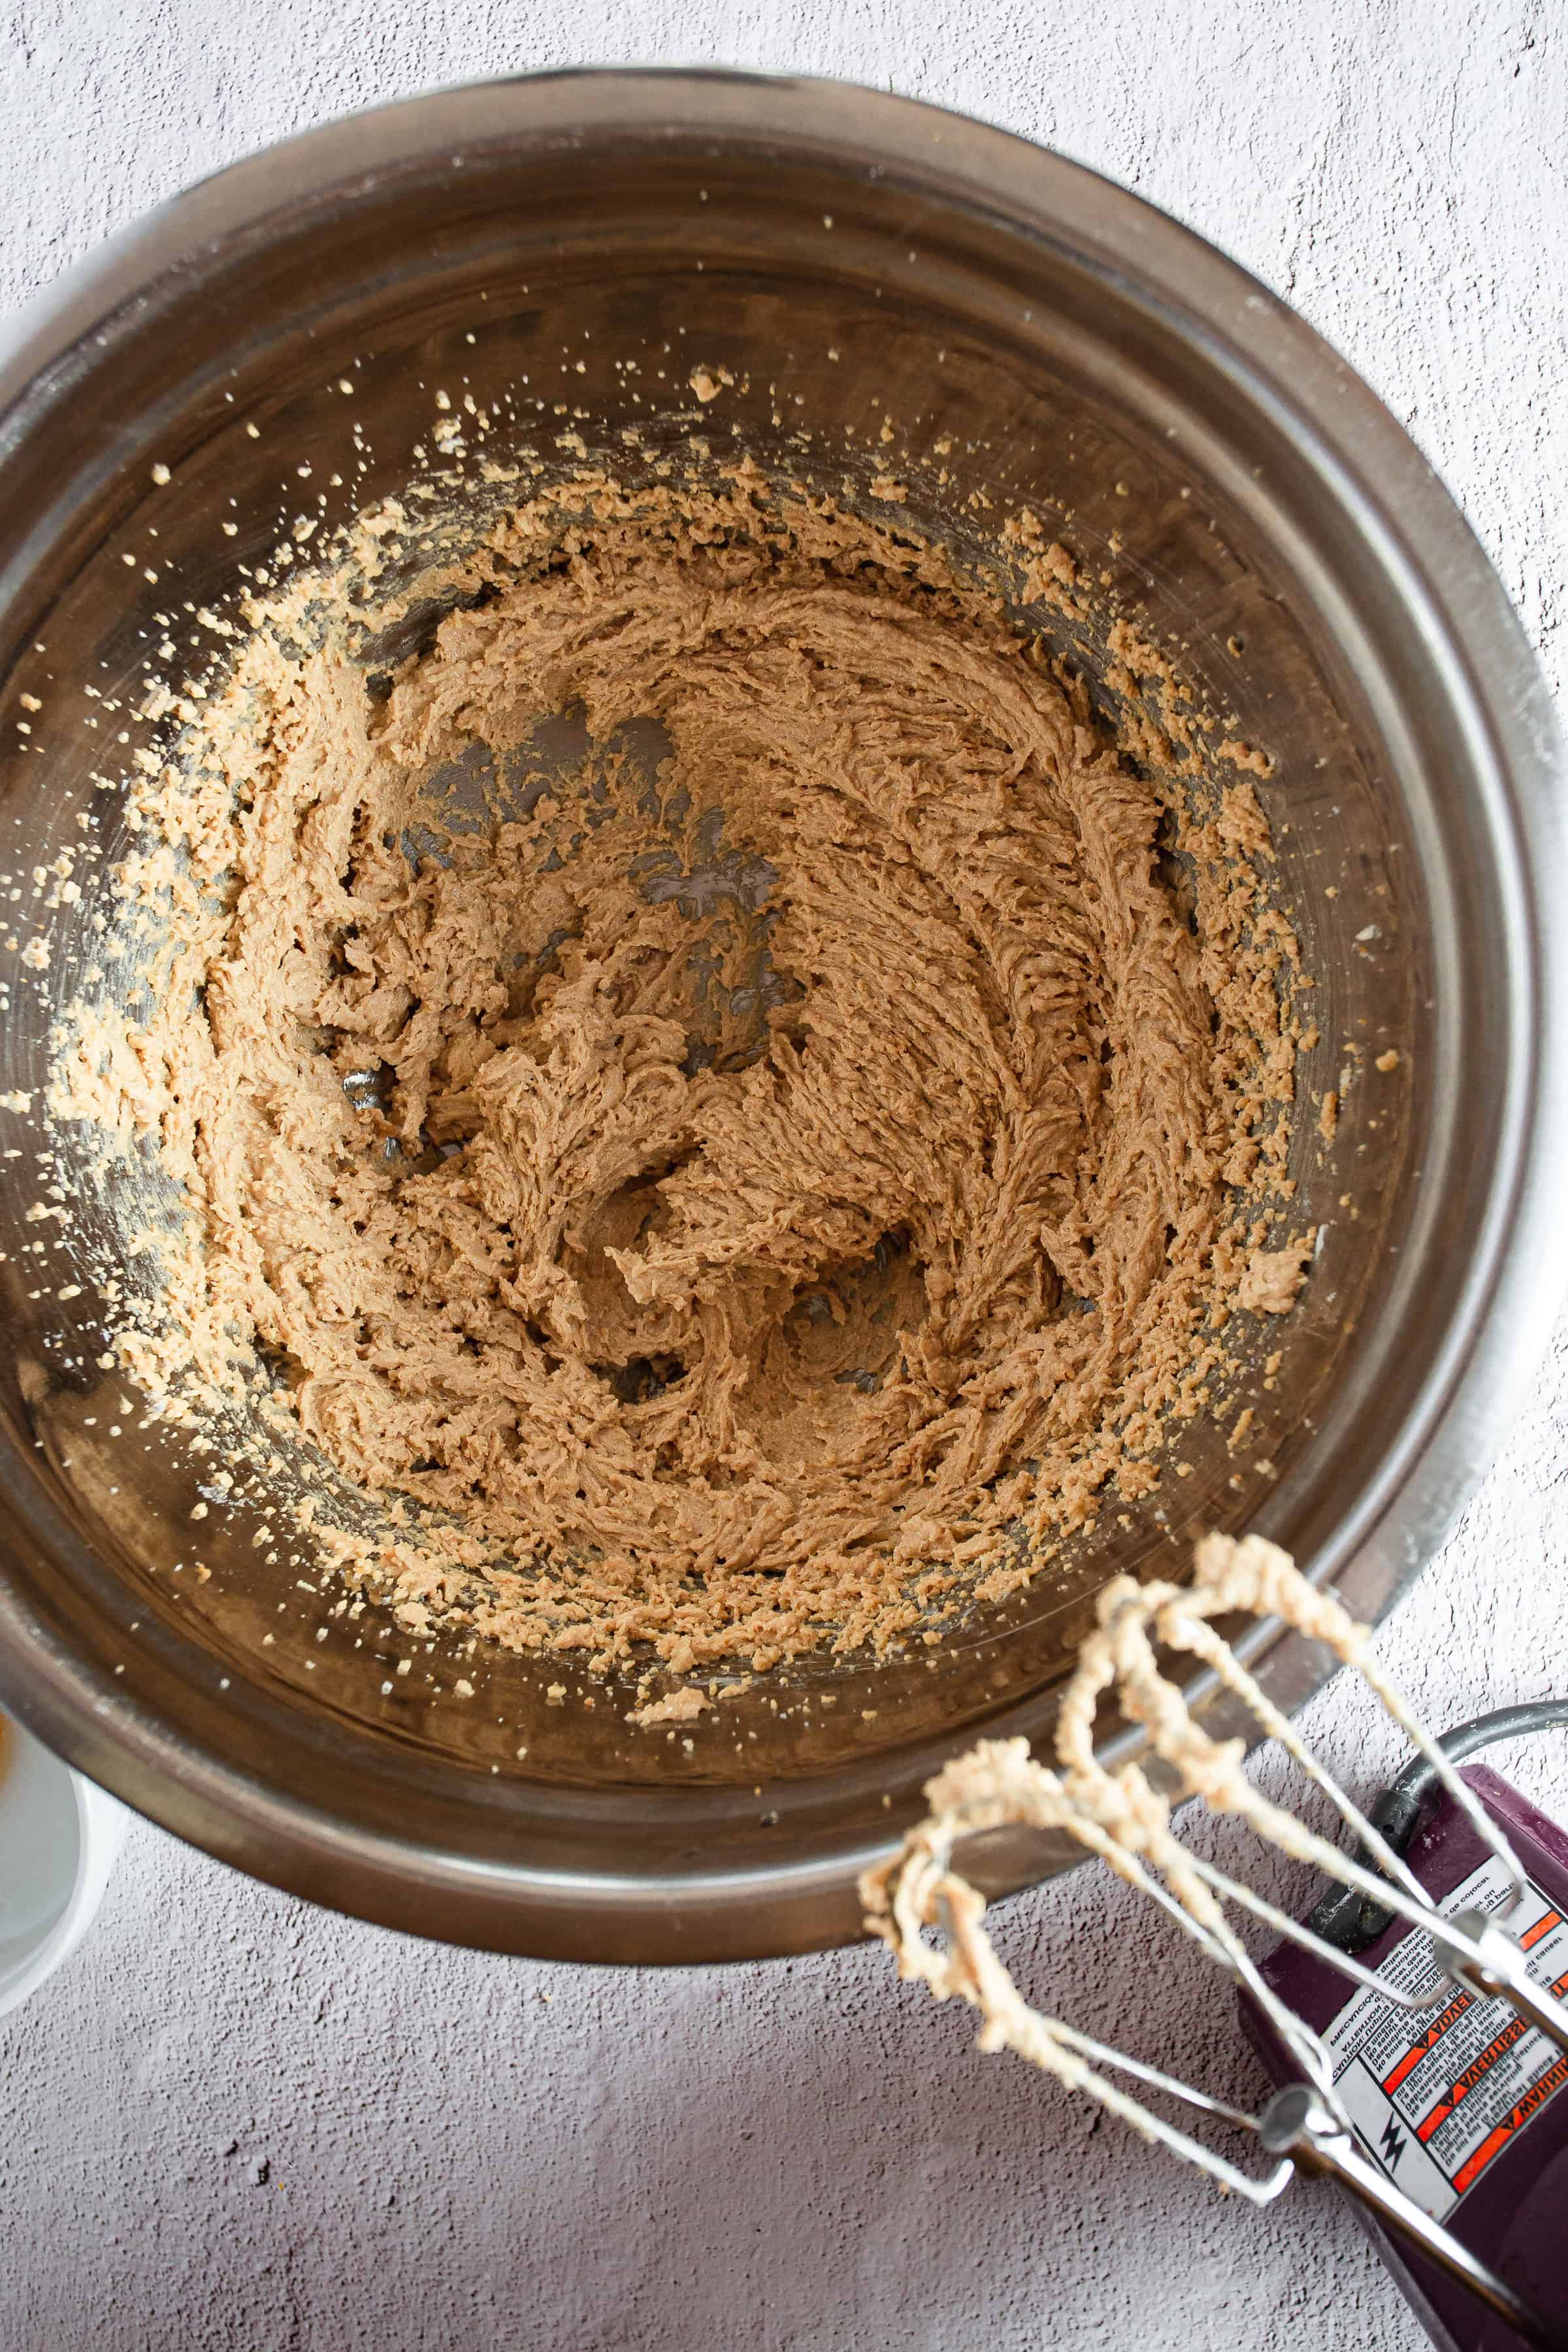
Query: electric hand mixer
point(1418, 2021)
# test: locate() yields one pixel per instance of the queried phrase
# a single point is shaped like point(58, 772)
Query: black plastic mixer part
point(1351, 1921)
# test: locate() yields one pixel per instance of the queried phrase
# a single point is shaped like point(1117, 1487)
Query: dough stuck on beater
point(1120, 1818)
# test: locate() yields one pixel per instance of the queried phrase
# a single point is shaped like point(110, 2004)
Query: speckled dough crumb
point(1273, 1278)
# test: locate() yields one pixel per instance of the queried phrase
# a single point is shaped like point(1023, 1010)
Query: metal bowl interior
point(845, 258)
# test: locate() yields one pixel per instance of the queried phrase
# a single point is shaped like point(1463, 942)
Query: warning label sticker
point(1437, 2095)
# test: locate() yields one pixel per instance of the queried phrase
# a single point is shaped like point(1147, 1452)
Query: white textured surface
point(233, 2121)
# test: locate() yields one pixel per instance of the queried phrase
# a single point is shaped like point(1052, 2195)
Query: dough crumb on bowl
point(1273, 1279)
point(681, 1706)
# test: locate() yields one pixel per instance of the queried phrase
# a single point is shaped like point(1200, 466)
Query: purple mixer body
point(1462, 2107)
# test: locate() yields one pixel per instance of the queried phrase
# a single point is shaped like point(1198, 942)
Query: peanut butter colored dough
point(735, 1167)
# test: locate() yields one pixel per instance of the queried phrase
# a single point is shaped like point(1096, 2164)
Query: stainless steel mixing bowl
point(1190, 438)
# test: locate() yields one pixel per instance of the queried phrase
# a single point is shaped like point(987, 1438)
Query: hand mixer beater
point(1429, 2092)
